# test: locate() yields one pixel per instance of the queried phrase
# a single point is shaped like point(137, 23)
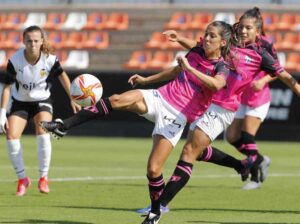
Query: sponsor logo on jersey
point(43, 72)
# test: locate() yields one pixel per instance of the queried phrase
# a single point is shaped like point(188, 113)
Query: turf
point(102, 180)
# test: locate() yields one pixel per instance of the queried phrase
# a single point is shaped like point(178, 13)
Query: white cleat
point(251, 185)
point(263, 168)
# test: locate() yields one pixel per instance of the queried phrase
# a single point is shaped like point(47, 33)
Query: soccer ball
point(86, 90)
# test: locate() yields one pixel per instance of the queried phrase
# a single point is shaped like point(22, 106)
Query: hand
point(257, 85)
point(136, 80)
point(172, 35)
point(183, 63)
point(75, 107)
point(3, 120)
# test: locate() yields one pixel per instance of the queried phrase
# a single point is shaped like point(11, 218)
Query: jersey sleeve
point(222, 69)
point(10, 76)
point(56, 69)
point(269, 64)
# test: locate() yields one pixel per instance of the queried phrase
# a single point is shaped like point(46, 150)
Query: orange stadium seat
point(289, 41)
point(138, 60)
point(57, 39)
point(97, 40)
point(95, 21)
point(177, 46)
point(293, 62)
point(179, 21)
point(2, 19)
point(160, 60)
point(2, 39)
point(199, 35)
point(270, 21)
point(275, 38)
point(13, 40)
point(117, 21)
point(13, 21)
point(62, 56)
point(157, 40)
point(54, 21)
point(3, 59)
point(75, 40)
point(200, 21)
point(288, 22)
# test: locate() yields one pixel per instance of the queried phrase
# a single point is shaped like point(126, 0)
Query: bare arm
point(5, 96)
point(183, 41)
point(290, 82)
point(259, 84)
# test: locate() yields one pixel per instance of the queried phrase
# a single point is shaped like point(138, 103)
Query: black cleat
point(151, 218)
point(55, 128)
point(244, 172)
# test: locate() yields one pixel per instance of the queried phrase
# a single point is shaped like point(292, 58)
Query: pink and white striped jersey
point(187, 93)
point(247, 62)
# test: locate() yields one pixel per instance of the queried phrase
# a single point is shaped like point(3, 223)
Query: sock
point(247, 146)
point(178, 180)
point(15, 154)
point(100, 109)
point(44, 153)
point(216, 156)
point(156, 187)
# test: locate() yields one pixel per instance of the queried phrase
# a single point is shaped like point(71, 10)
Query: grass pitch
point(102, 181)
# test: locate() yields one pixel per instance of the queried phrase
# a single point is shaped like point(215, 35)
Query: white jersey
point(31, 82)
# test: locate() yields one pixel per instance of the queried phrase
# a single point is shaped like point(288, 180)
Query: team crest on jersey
point(248, 59)
point(43, 72)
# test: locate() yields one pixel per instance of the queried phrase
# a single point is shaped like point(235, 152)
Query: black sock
point(156, 187)
point(100, 109)
point(177, 181)
point(216, 156)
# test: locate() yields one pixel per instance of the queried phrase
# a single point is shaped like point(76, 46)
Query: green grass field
point(102, 181)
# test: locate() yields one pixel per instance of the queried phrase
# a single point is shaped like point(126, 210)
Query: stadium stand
point(293, 62)
point(200, 21)
point(54, 21)
point(117, 21)
point(77, 59)
point(13, 21)
point(96, 21)
point(35, 18)
point(139, 60)
point(75, 20)
point(179, 21)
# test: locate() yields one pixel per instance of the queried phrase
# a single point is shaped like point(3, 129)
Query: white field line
point(125, 178)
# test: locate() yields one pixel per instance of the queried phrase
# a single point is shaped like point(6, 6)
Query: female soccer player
point(181, 101)
point(27, 80)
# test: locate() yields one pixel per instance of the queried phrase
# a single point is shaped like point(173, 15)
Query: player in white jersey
point(27, 81)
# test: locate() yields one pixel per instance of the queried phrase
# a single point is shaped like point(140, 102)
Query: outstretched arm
point(259, 84)
point(183, 41)
point(290, 82)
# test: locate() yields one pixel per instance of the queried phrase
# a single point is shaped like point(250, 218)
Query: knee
point(232, 136)
point(114, 100)
point(153, 170)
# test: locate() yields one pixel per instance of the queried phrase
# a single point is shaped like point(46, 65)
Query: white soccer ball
point(86, 90)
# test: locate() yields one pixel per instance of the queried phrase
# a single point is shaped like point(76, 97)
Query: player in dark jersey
point(27, 81)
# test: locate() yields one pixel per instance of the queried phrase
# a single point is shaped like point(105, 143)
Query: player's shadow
point(41, 221)
point(213, 222)
point(239, 210)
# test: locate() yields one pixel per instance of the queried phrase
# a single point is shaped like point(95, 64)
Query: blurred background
point(115, 39)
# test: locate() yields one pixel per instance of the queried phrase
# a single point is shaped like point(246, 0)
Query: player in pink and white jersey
point(199, 75)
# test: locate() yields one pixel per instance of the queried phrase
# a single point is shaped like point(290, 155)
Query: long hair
point(45, 48)
point(225, 31)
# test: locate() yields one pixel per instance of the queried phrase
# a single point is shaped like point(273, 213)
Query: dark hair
point(225, 31)
point(255, 13)
point(45, 48)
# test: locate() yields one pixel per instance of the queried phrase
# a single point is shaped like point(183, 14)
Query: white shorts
point(260, 111)
point(169, 122)
point(214, 121)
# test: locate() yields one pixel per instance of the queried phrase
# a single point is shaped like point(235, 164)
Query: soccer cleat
point(244, 172)
point(23, 184)
point(147, 210)
point(43, 185)
point(151, 218)
point(55, 128)
point(251, 185)
point(263, 168)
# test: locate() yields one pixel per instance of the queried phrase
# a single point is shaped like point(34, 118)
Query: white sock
point(44, 153)
point(15, 154)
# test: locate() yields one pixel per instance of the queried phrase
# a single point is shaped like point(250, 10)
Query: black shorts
point(28, 110)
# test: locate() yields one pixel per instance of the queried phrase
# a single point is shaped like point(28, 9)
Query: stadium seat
point(62, 56)
point(293, 62)
point(3, 59)
point(75, 21)
point(13, 40)
point(227, 17)
point(13, 21)
point(97, 40)
point(177, 46)
point(199, 35)
point(95, 21)
point(200, 21)
point(54, 21)
point(282, 58)
point(35, 18)
point(77, 59)
point(75, 40)
point(2, 19)
point(160, 60)
point(157, 41)
point(57, 39)
point(117, 21)
point(275, 38)
point(289, 41)
point(138, 60)
point(270, 21)
point(179, 53)
point(288, 22)
point(179, 21)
